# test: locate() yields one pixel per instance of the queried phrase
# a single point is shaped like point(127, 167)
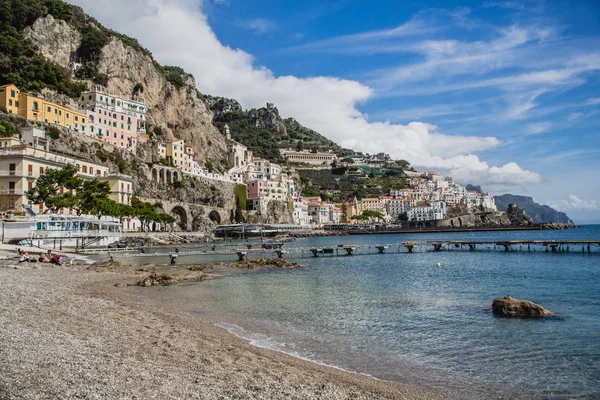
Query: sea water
point(402, 318)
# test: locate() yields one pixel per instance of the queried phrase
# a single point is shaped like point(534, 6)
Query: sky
point(501, 94)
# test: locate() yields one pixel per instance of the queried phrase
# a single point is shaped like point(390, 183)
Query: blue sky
point(502, 94)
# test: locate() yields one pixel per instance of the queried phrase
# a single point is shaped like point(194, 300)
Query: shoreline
point(80, 335)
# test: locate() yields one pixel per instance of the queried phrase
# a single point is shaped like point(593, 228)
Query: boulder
point(509, 307)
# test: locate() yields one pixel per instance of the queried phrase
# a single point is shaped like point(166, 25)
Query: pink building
point(257, 189)
point(113, 118)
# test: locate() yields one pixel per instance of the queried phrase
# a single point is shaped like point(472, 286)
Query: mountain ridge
point(540, 214)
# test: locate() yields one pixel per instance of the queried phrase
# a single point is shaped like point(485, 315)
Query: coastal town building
point(306, 157)
point(114, 118)
point(34, 107)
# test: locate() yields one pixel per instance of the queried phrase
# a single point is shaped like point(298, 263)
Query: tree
point(144, 211)
point(92, 42)
point(402, 164)
point(48, 187)
point(348, 160)
point(92, 198)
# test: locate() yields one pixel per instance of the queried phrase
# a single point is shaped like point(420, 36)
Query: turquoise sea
point(399, 317)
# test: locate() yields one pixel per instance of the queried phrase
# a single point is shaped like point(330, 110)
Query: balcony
point(13, 192)
point(18, 174)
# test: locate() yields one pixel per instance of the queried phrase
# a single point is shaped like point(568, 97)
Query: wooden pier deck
point(548, 246)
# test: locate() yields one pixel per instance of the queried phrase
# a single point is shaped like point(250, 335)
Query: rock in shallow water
point(509, 307)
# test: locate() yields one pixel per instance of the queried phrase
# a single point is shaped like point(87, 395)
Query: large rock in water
point(509, 307)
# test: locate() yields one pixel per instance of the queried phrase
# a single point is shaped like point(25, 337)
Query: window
point(35, 106)
point(10, 103)
point(55, 111)
point(67, 115)
point(83, 120)
point(122, 118)
point(121, 126)
point(76, 118)
point(114, 124)
point(16, 104)
point(12, 93)
point(115, 135)
point(121, 136)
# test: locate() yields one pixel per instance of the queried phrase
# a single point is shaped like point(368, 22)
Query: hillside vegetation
point(265, 132)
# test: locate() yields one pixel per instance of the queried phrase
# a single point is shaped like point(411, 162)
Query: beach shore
point(71, 333)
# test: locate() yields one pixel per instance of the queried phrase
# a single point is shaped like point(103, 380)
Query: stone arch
point(175, 176)
point(452, 223)
point(154, 175)
point(237, 161)
point(169, 176)
point(181, 215)
point(215, 217)
point(161, 175)
point(459, 222)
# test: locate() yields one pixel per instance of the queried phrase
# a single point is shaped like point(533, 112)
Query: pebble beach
point(76, 332)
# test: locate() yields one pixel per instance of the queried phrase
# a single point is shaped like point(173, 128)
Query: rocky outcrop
point(277, 213)
point(460, 217)
point(517, 216)
point(540, 214)
point(167, 279)
point(181, 112)
point(266, 262)
point(509, 307)
point(55, 39)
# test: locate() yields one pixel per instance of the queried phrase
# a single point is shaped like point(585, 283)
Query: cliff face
point(277, 213)
point(56, 40)
point(180, 112)
point(539, 213)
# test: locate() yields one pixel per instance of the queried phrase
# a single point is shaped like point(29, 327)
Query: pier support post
point(437, 247)
point(471, 247)
point(507, 247)
point(553, 247)
point(315, 252)
point(349, 250)
point(410, 248)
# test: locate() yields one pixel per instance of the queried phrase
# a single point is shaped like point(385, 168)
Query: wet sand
point(71, 333)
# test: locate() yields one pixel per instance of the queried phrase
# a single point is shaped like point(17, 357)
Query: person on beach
point(43, 258)
point(25, 257)
point(56, 260)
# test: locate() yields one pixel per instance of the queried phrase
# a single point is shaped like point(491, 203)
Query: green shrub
point(92, 42)
point(52, 132)
point(175, 79)
point(101, 155)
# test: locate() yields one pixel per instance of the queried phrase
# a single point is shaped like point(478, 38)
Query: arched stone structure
point(181, 215)
point(215, 217)
point(163, 174)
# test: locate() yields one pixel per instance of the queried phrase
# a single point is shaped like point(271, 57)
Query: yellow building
point(175, 151)
point(9, 99)
point(33, 107)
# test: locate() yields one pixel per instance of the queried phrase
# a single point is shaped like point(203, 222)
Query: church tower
point(227, 132)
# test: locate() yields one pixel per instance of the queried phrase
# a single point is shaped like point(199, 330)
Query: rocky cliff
point(264, 131)
point(277, 213)
point(180, 112)
point(541, 214)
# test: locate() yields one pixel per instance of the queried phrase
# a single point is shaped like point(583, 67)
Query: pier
point(277, 250)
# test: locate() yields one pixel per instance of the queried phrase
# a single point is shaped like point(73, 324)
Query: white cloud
point(258, 25)
point(540, 127)
point(574, 203)
point(178, 33)
point(592, 101)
